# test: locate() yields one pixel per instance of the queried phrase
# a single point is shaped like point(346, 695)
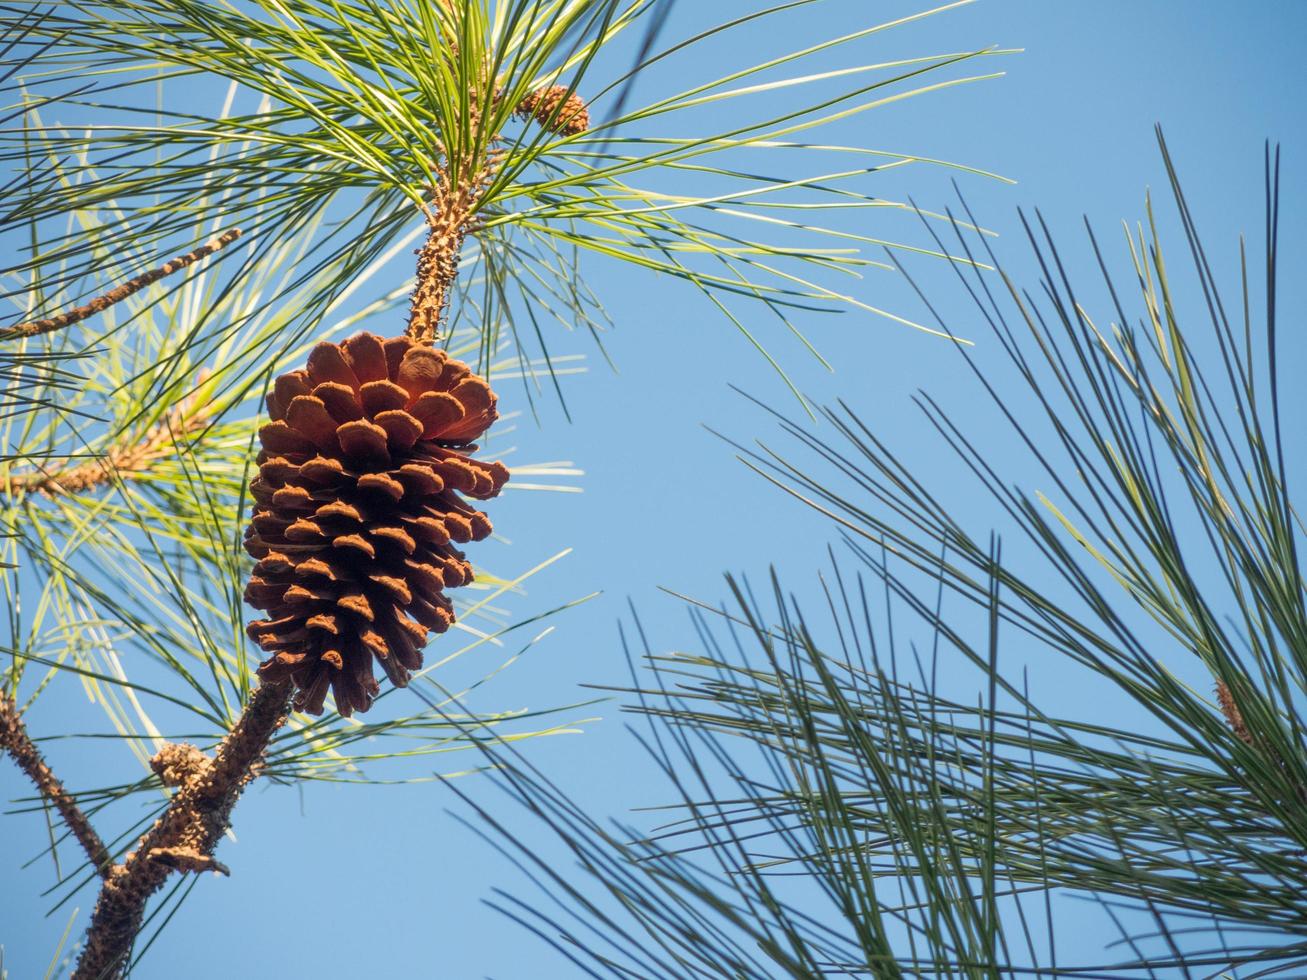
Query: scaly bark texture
point(15, 741)
point(128, 458)
point(450, 217)
point(119, 293)
point(177, 762)
point(184, 838)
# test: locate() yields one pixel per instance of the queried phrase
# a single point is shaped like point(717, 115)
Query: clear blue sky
point(1071, 123)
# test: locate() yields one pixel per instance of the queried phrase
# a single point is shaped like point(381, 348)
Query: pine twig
point(33, 328)
point(452, 209)
point(450, 217)
point(15, 740)
point(130, 457)
point(184, 838)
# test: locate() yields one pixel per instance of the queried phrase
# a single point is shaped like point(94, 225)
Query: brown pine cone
point(357, 510)
point(556, 109)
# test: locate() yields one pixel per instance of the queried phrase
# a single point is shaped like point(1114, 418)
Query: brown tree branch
point(451, 214)
point(184, 838)
point(451, 210)
point(15, 740)
point(33, 328)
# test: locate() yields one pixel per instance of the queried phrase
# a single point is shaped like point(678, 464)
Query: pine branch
point(184, 838)
point(119, 293)
point(450, 218)
point(128, 458)
point(15, 740)
point(453, 205)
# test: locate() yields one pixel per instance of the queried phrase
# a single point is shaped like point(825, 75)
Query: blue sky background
point(383, 882)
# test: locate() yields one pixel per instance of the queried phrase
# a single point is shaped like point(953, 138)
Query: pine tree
point(266, 377)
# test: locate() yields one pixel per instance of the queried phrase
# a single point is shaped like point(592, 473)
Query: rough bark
point(184, 838)
point(15, 740)
point(451, 211)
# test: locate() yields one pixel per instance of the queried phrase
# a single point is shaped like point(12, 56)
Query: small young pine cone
point(556, 110)
point(357, 512)
point(1233, 716)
